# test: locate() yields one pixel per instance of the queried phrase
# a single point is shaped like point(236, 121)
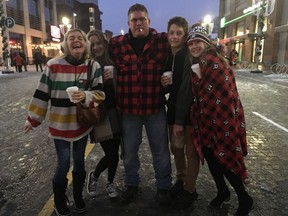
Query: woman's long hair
point(105, 59)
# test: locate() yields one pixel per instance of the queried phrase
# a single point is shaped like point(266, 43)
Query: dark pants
point(218, 171)
point(110, 160)
point(39, 65)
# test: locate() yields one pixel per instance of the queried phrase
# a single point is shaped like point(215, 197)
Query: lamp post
point(208, 24)
point(5, 52)
point(265, 9)
point(74, 20)
point(65, 26)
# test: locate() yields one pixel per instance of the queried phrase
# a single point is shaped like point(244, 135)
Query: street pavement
point(266, 163)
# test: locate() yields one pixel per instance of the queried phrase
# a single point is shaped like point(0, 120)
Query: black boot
point(78, 183)
point(60, 199)
point(222, 196)
point(245, 204)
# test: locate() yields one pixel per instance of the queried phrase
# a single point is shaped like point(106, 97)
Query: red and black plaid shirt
point(139, 89)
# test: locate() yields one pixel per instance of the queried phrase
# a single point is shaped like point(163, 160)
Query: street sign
point(9, 22)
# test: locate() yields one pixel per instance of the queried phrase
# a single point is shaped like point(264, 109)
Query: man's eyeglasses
point(140, 19)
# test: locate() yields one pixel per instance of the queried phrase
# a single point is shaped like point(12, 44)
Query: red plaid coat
point(217, 114)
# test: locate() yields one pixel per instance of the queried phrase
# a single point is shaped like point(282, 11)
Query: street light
point(74, 20)
point(208, 24)
point(65, 26)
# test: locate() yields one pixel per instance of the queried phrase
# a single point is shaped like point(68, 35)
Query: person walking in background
point(44, 59)
point(70, 69)
point(37, 57)
point(217, 117)
point(22, 54)
point(18, 61)
point(185, 156)
point(12, 56)
point(111, 138)
point(233, 57)
point(139, 58)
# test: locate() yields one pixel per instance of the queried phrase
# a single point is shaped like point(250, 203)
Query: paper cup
point(70, 91)
point(196, 69)
point(110, 68)
point(170, 75)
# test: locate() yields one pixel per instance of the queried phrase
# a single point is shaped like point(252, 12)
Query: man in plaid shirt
point(139, 57)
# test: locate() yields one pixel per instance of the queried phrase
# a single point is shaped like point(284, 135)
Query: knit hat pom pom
point(198, 32)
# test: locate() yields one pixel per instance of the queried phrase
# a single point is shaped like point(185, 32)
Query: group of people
point(19, 60)
point(203, 118)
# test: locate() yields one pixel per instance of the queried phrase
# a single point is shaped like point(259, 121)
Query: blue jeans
point(63, 158)
point(156, 129)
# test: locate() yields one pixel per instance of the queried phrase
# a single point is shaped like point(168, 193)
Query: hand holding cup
point(108, 72)
point(70, 91)
point(167, 78)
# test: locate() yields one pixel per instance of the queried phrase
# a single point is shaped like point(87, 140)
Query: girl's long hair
point(105, 59)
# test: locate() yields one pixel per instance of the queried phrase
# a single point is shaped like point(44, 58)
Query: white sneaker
point(92, 184)
point(112, 191)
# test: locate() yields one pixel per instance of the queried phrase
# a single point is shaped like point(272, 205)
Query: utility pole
point(265, 9)
point(5, 51)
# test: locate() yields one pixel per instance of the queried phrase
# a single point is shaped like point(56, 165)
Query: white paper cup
point(196, 69)
point(111, 69)
point(70, 91)
point(170, 75)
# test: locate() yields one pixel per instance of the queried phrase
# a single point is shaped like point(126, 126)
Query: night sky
point(114, 17)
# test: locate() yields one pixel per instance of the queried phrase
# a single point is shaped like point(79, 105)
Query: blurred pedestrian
point(233, 57)
point(110, 130)
point(18, 61)
point(217, 116)
point(139, 58)
point(185, 156)
point(44, 59)
point(70, 69)
point(22, 54)
point(37, 57)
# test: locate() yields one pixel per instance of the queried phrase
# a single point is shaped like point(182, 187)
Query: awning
point(282, 28)
point(239, 37)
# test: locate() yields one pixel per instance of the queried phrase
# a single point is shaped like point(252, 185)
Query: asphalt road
point(28, 161)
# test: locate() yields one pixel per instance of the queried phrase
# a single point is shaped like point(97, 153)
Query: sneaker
point(129, 194)
point(184, 200)
point(163, 196)
point(111, 189)
point(92, 184)
point(177, 188)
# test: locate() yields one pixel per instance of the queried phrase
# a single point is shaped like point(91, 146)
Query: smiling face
point(139, 24)
point(97, 47)
point(196, 48)
point(76, 44)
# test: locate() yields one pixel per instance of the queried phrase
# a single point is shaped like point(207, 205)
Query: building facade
point(35, 21)
point(84, 14)
point(258, 32)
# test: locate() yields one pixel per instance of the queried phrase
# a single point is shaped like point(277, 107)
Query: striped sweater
point(57, 76)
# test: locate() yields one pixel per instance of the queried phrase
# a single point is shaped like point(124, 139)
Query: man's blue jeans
point(63, 158)
point(156, 129)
